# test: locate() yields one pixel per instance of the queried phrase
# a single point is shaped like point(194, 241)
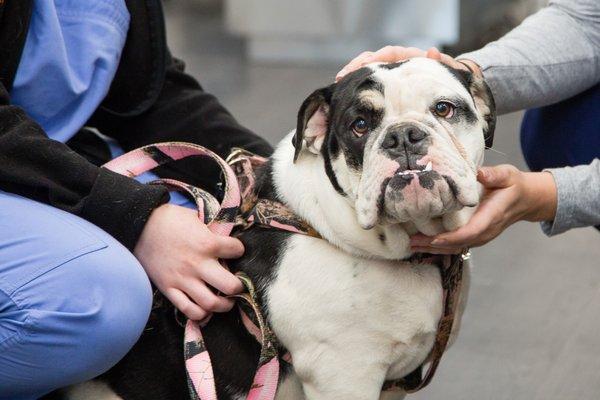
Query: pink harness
point(220, 219)
point(240, 197)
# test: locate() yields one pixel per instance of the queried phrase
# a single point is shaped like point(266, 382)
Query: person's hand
point(510, 196)
point(390, 54)
point(180, 255)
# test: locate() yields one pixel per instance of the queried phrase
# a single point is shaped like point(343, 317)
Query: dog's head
point(401, 141)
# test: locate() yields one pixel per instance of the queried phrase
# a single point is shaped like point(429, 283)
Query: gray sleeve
point(553, 55)
point(578, 198)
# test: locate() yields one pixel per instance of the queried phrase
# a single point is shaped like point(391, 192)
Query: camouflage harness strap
point(451, 270)
point(198, 364)
point(242, 207)
point(262, 212)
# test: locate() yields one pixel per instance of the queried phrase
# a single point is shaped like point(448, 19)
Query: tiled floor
point(532, 326)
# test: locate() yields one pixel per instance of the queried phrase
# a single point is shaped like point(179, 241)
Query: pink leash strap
point(136, 162)
point(220, 219)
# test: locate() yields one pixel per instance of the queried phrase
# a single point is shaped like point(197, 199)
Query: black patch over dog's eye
point(360, 127)
point(444, 109)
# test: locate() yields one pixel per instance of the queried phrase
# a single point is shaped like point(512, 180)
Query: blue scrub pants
point(73, 300)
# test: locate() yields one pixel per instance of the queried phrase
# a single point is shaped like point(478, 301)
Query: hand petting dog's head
point(401, 141)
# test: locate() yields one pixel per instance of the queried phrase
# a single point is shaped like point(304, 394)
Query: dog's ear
point(484, 101)
point(313, 121)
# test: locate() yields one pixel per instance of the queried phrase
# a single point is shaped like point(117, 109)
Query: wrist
point(151, 226)
point(541, 196)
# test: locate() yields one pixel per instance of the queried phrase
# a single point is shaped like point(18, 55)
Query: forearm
point(34, 166)
point(551, 56)
point(539, 197)
point(578, 190)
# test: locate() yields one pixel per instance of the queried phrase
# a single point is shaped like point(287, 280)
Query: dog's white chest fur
point(350, 323)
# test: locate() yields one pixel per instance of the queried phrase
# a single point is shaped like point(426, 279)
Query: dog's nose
point(404, 138)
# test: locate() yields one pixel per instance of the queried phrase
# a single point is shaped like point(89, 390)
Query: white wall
point(335, 30)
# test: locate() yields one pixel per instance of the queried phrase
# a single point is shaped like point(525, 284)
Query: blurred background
point(532, 325)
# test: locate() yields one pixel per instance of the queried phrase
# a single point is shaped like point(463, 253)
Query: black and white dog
point(389, 151)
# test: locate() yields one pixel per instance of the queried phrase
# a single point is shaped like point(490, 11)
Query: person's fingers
point(437, 250)
point(387, 54)
point(354, 64)
point(220, 278)
point(499, 176)
point(205, 321)
point(434, 54)
point(468, 235)
point(185, 305)
point(420, 240)
point(227, 247)
point(451, 61)
point(391, 54)
point(205, 298)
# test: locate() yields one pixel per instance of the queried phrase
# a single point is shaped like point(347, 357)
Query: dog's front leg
point(328, 375)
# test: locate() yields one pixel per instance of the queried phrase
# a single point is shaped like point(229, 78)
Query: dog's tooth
point(428, 167)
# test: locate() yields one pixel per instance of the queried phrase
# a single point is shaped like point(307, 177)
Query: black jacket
point(150, 100)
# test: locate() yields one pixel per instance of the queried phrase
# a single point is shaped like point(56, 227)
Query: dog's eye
point(444, 109)
point(360, 127)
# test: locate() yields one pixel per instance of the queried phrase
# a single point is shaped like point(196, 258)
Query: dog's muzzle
point(409, 175)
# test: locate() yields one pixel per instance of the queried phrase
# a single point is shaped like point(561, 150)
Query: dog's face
point(401, 141)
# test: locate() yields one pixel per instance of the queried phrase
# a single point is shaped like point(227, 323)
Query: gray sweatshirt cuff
point(564, 208)
point(578, 198)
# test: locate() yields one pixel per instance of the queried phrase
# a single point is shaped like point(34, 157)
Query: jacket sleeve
point(553, 55)
point(35, 166)
point(578, 191)
point(183, 112)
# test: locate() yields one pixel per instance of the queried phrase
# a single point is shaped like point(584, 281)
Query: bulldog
point(389, 151)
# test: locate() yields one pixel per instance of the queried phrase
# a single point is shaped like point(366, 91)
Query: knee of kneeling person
point(120, 301)
point(73, 300)
point(104, 311)
point(75, 321)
